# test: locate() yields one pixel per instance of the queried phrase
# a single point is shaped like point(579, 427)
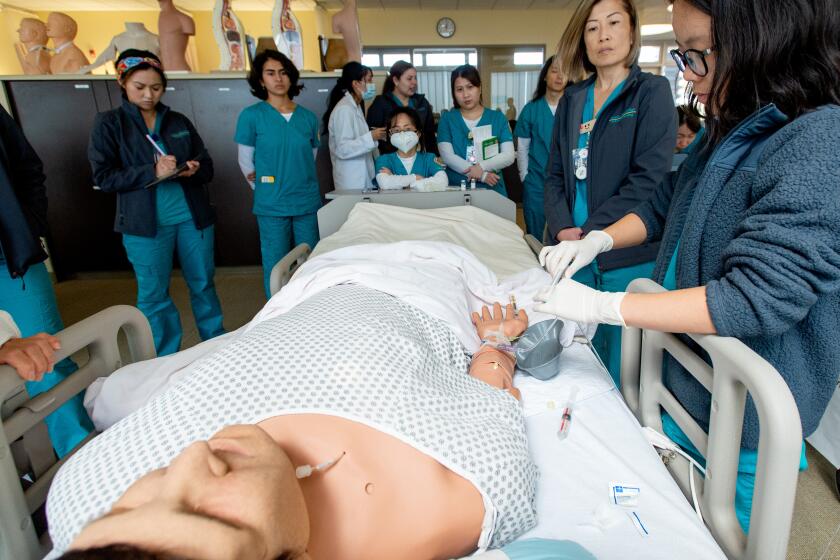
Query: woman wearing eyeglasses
point(614, 137)
point(409, 166)
point(748, 225)
point(156, 162)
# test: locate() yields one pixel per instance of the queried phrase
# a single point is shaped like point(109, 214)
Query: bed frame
point(735, 371)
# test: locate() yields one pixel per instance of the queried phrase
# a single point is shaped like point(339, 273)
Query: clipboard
point(178, 170)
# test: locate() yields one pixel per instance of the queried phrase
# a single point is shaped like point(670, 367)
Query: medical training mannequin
point(533, 129)
point(278, 140)
point(377, 499)
point(135, 36)
point(68, 58)
point(749, 244)
point(409, 166)
point(346, 23)
point(174, 28)
point(352, 142)
point(32, 51)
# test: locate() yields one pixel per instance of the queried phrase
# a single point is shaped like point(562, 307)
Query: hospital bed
point(605, 444)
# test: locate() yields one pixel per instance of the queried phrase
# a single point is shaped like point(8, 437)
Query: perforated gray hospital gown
point(348, 351)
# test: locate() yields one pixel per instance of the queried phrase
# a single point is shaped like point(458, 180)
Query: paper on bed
point(496, 242)
point(604, 444)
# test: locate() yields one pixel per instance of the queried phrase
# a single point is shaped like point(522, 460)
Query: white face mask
point(404, 141)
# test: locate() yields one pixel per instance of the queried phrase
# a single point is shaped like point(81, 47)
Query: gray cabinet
point(57, 117)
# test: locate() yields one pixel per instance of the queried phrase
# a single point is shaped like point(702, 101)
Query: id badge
point(470, 154)
point(580, 157)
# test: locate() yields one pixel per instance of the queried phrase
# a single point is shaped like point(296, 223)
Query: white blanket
point(444, 280)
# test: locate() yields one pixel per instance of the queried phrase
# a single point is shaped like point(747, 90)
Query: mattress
point(604, 446)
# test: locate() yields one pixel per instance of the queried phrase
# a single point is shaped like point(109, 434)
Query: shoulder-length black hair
point(542, 87)
point(138, 53)
point(396, 71)
point(351, 72)
point(469, 73)
point(255, 75)
point(769, 51)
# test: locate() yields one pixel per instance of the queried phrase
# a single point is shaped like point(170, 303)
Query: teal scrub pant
point(31, 303)
point(151, 258)
point(533, 208)
point(747, 461)
point(607, 340)
point(280, 234)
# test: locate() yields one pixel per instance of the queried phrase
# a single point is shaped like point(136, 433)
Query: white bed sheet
point(604, 445)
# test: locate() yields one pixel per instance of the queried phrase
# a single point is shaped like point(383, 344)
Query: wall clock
point(445, 27)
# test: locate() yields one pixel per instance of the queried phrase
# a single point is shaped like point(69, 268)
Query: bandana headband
point(130, 62)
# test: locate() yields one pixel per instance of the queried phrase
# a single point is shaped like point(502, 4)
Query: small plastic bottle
point(472, 184)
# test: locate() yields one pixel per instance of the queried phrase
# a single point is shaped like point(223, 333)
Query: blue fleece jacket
point(758, 224)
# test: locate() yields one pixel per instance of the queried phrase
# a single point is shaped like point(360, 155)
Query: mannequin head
point(32, 31)
point(237, 490)
point(61, 26)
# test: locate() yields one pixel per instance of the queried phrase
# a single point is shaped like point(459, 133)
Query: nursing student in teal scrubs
point(614, 140)
point(278, 140)
point(408, 166)
point(533, 129)
point(455, 140)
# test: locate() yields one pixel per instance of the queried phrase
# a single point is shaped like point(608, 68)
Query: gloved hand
point(570, 256)
point(580, 303)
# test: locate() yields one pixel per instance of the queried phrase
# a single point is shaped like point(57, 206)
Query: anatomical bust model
point(67, 57)
point(135, 36)
point(32, 51)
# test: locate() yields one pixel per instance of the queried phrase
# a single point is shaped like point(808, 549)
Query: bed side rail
point(282, 272)
point(23, 416)
point(736, 370)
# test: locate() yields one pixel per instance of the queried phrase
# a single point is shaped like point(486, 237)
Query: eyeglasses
point(398, 130)
point(694, 59)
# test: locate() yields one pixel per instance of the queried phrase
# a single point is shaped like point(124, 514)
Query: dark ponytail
point(351, 72)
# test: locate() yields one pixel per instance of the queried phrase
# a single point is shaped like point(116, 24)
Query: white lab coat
point(8, 328)
point(351, 146)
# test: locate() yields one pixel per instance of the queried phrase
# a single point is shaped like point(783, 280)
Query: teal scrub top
point(536, 121)
point(399, 103)
point(670, 280)
point(170, 201)
point(286, 183)
point(453, 129)
point(424, 164)
point(580, 213)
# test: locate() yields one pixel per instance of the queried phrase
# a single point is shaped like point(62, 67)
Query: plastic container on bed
point(538, 350)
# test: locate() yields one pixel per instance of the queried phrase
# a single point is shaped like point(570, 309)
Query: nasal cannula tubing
point(566, 416)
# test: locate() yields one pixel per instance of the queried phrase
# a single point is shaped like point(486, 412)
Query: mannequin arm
point(493, 365)
point(187, 25)
point(107, 55)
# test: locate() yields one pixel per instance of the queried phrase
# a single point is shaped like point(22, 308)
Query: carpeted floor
point(816, 524)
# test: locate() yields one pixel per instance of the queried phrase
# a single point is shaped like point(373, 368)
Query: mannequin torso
point(351, 505)
point(135, 36)
point(175, 28)
point(346, 22)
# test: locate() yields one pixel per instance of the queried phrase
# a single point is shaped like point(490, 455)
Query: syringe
point(566, 416)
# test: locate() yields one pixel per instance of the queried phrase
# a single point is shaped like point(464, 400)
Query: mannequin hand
point(378, 133)
point(572, 300)
point(570, 256)
point(192, 169)
point(165, 166)
point(570, 234)
point(474, 172)
point(513, 323)
point(32, 356)
point(491, 179)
